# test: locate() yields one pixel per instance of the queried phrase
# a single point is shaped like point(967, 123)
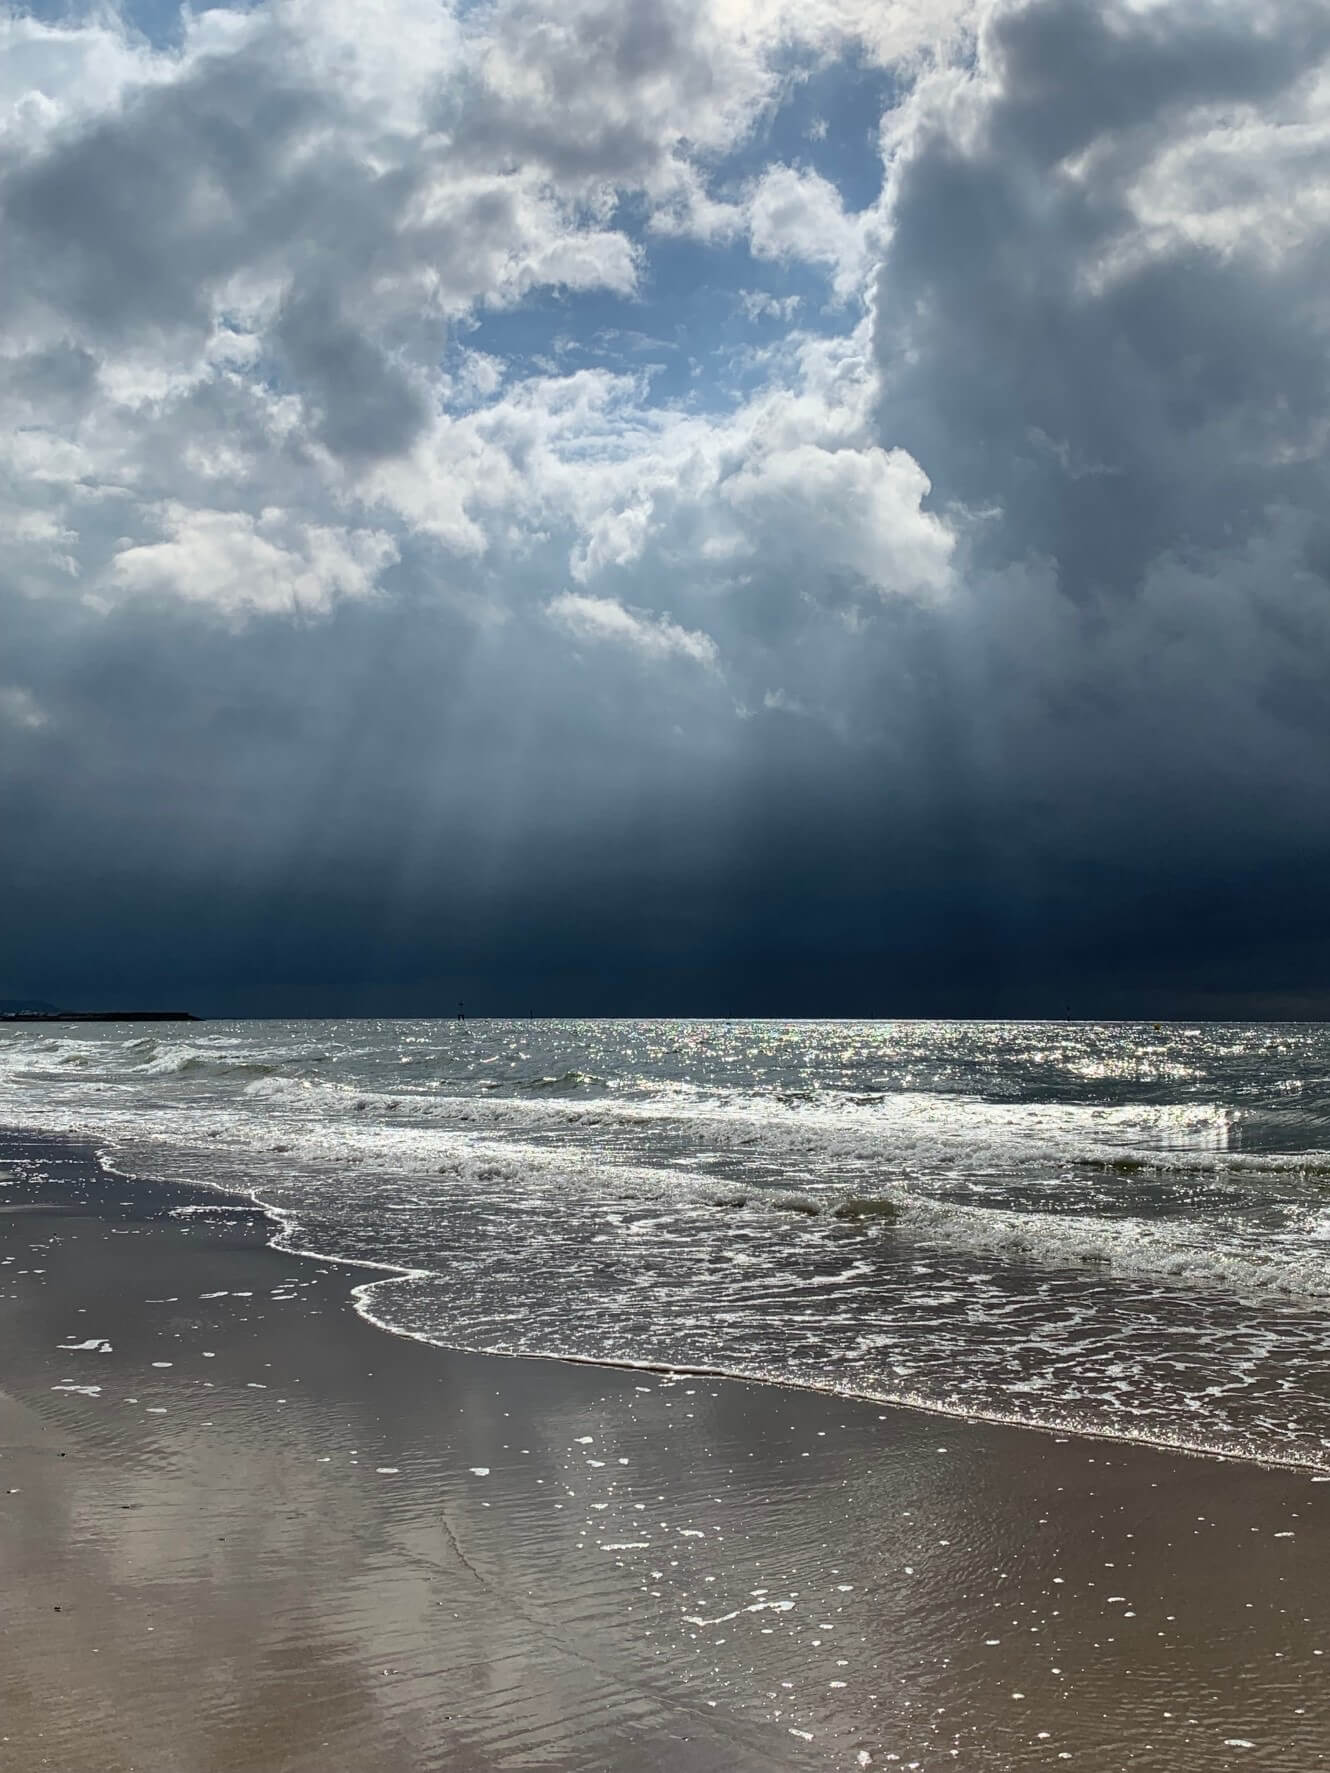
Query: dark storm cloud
point(1071, 72)
point(364, 406)
point(603, 74)
point(616, 707)
point(127, 227)
point(1122, 709)
point(243, 172)
point(1169, 407)
point(59, 380)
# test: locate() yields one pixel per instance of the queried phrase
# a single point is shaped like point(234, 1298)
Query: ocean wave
point(913, 1134)
point(569, 1080)
point(405, 1168)
point(208, 1065)
point(810, 1160)
point(781, 1201)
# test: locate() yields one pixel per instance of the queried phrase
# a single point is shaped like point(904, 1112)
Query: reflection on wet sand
point(254, 1532)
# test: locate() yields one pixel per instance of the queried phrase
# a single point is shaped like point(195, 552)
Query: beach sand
point(256, 1532)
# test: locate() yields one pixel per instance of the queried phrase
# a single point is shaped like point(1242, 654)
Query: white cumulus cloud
point(650, 636)
point(237, 563)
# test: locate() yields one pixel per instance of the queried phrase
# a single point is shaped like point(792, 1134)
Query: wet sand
point(256, 1533)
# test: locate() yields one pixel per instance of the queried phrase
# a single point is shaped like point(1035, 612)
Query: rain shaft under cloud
point(667, 507)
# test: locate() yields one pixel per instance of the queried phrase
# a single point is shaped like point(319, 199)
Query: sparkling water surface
point(1116, 1227)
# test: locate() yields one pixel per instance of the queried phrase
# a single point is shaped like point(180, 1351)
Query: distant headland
point(27, 1011)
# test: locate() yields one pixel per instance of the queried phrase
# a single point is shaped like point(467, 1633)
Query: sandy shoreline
point(304, 1543)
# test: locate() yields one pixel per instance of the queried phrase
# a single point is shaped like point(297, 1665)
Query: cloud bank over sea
point(718, 506)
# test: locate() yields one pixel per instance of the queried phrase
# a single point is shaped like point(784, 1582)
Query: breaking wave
point(1124, 1227)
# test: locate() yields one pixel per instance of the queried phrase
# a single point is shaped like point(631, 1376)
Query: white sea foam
point(1122, 1229)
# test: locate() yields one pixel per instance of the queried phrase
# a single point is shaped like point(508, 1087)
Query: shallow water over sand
point(1119, 1227)
point(276, 1538)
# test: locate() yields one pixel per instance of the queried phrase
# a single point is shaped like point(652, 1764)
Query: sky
point(726, 507)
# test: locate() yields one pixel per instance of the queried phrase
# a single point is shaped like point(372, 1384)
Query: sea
point(1120, 1229)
